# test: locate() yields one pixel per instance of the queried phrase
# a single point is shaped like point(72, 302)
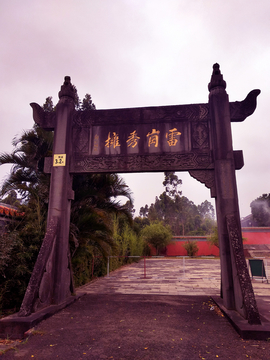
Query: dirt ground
point(124, 326)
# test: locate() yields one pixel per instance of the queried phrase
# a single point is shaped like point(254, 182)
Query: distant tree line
point(260, 209)
point(177, 211)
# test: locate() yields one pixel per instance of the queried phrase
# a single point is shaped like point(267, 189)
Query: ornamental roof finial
point(216, 78)
point(67, 89)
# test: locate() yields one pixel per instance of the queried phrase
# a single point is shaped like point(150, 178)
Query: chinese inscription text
point(171, 136)
point(133, 139)
point(112, 140)
point(153, 137)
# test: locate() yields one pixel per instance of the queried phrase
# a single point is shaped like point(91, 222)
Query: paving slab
point(174, 276)
point(162, 275)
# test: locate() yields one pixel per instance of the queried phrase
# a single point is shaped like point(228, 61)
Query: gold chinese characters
point(112, 140)
point(151, 137)
point(171, 136)
point(133, 139)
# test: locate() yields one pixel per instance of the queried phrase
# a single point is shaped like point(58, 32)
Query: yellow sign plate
point(59, 160)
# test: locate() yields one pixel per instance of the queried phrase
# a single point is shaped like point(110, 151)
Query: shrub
point(157, 235)
point(191, 247)
point(213, 238)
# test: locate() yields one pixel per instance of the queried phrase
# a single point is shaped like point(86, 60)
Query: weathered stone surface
point(44, 119)
point(51, 281)
point(142, 163)
point(240, 110)
point(207, 177)
point(32, 292)
point(195, 138)
point(225, 160)
point(236, 241)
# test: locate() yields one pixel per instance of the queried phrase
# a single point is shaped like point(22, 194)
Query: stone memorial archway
point(195, 138)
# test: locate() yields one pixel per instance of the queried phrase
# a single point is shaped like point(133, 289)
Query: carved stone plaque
point(142, 139)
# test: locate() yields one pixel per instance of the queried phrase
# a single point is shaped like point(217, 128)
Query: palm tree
point(92, 213)
point(24, 237)
point(26, 176)
point(27, 159)
point(96, 199)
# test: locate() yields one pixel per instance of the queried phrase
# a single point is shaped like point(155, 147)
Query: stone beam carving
point(240, 110)
point(192, 112)
point(44, 119)
point(138, 163)
point(206, 177)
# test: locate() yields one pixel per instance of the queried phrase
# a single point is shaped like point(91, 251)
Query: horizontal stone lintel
point(143, 163)
point(137, 163)
point(100, 165)
point(192, 112)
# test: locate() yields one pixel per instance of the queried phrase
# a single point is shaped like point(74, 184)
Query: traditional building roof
point(9, 211)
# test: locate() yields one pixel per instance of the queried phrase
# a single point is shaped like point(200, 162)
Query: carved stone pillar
point(230, 239)
point(61, 192)
point(51, 281)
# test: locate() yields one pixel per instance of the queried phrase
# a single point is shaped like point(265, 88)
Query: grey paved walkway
point(172, 276)
point(165, 276)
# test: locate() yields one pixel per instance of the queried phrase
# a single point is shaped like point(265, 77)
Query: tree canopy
point(260, 209)
point(94, 212)
point(157, 235)
point(180, 213)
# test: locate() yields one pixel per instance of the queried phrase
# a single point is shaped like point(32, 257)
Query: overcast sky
point(131, 53)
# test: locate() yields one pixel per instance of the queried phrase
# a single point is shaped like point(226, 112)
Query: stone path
point(172, 276)
point(163, 276)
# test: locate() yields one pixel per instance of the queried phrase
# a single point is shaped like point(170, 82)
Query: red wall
point(176, 248)
point(256, 235)
point(251, 236)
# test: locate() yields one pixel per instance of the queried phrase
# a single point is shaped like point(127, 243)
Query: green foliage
point(92, 219)
point(157, 235)
point(19, 248)
point(87, 263)
point(14, 271)
point(191, 247)
point(24, 237)
point(48, 105)
point(183, 216)
point(93, 212)
point(172, 184)
point(213, 238)
point(100, 225)
point(260, 209)
point(11, 199)
point(127, 241)
point(27, 159)
point(139, 223)
point(206, 210)
point(87, 103)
